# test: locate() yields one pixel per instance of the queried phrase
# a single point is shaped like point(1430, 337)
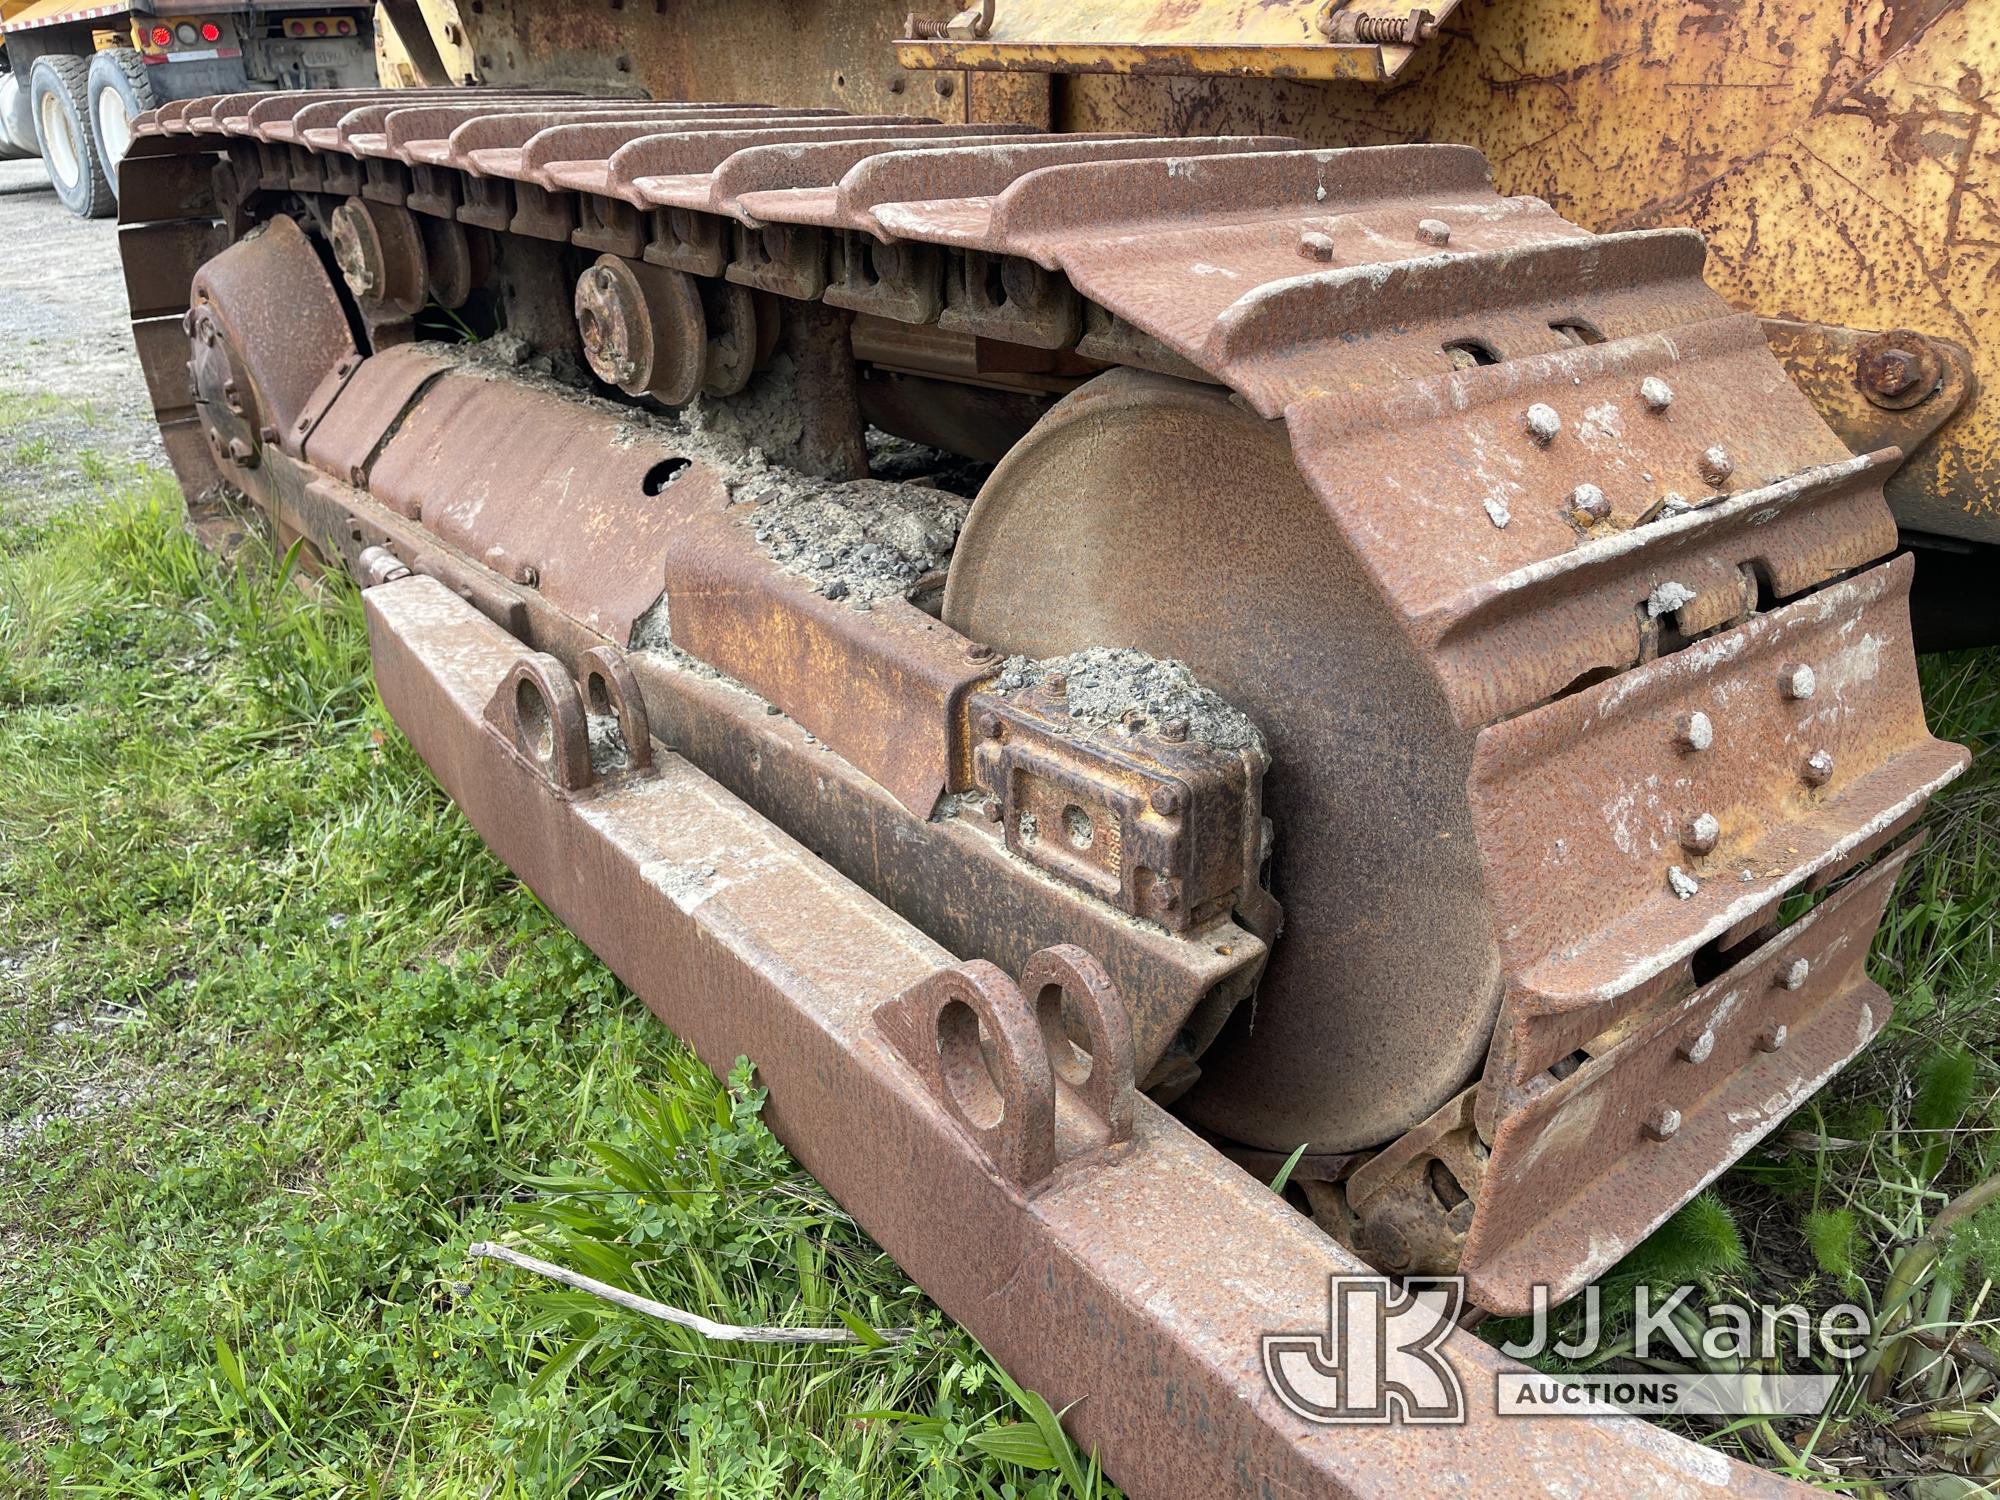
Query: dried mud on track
point(73, 407)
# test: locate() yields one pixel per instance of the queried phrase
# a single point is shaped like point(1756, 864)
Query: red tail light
point(161, 36)
point(210, 32)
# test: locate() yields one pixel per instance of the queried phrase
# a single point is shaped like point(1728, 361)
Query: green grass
point(279, 1038)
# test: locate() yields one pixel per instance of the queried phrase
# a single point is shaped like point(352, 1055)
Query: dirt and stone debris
point(1110, 687)
point(860, 541)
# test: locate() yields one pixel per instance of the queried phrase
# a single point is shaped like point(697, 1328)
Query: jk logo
point(1378, 1358)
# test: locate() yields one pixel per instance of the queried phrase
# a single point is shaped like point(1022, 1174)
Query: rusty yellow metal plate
point(1305, 39)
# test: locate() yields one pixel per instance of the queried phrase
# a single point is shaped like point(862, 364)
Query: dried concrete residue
point(1667, 598)
point(764, 421)
point(513, 354)
point(653, 630)
point(1105, 684)
point(608, 750)
point(859, 541)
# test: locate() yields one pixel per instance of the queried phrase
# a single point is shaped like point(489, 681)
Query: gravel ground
point(72, 401)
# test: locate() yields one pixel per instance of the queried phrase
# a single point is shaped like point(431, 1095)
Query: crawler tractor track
point(1559, 611)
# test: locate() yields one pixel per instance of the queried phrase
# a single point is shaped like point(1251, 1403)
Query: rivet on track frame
point(1701, 833)
point(1588, 505)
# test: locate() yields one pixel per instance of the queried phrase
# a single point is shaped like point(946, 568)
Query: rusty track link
point(1615, 678)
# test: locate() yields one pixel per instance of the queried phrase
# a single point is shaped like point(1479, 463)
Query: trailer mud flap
point(1107, 1256)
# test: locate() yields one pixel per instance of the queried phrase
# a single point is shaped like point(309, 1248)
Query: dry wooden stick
point(647, 1307)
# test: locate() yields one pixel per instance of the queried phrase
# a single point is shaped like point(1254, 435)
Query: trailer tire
point(120, 91)
point(60, 89)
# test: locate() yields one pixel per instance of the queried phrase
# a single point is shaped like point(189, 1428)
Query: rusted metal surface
point(643, 328)
point(1090, 533)
point(1832, 675)
point(1875, 390)
point(380, 251)
point(1441, 487)
point(836, 53)
point(1834, 174)
point(1408, 1207)
point(1669, 1094)
point(534, 508)
point(1111, 1212)
point(266, 331)
point(884, 687)
point(1301, 39)
point(478, 536)
point(1162, 828)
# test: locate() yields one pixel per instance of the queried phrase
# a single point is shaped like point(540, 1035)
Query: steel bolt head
point(1656, 393)
point(1543, 423)
point(1166, 799)
point(1701, 833)
point(1316, 246)
point(1799, 681)
point(989, 725)
point(1057, 685)
point(1694, 731)
point(1818, 769)
point(1793, 975)
point(979, 652)
point(1772, 1039)
point(1715, 466)
point(607, 327)
point(1699, 1047)
point(1663, 1123)
point(1588, 505)
point(1899, 369)
point(1892, 372)
point(352, 251)
point(1174, 730)
point(1434, 231)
